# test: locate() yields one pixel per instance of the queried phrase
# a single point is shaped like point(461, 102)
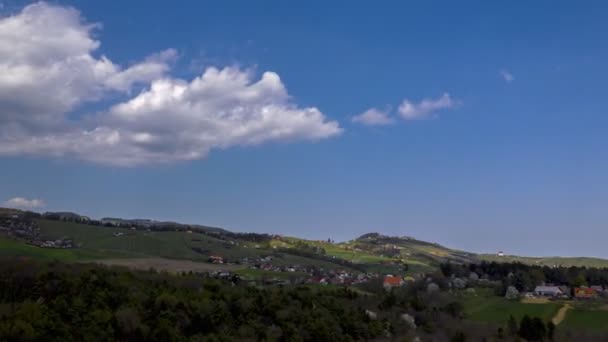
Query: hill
point(102, 243)
point(548, 261)
point(116, 238)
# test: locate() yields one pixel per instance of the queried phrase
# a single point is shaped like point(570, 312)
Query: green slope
point(378, 253)
point(548, 261)
point(97, 242)
point(12, 248)
point(484, 306)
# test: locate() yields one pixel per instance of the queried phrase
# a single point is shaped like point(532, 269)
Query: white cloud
point(24, 203)
point(507, 76)
point(374, 117)
point(47, 69)
point(425, 108)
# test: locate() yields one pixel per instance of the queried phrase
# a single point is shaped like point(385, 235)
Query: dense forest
point(89, 303)
point(52, 301)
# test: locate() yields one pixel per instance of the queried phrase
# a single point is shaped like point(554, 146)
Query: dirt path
point(561, 314)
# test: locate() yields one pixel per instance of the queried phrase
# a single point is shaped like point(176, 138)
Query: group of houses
point(16, 226)
point(553, 291)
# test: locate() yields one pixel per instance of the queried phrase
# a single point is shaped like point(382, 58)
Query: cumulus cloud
point(47, 66)
point(24, 203)
point(48, 69)
point(425, 108)
point(374, 117)
point(507, 76)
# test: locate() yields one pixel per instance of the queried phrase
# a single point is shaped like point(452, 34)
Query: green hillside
point(371, 252)
point(408, 250)
point(548, 261)
point(11, 248)
point(98, 242)
point(484, 306)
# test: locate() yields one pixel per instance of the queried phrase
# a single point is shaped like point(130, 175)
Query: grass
point(9, 247)
point(373, 262)
point(255, 274)
point(169, 265)
point(582, 317)
point(336, 250)
point(100, 243)
point(168, 244)
point(549, 261)
point(485, 307)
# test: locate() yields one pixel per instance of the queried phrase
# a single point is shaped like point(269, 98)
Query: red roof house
point(584, 293)
point(392, 281)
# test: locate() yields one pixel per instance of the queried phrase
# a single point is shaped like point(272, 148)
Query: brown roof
point(390, 280)
point(584, 292)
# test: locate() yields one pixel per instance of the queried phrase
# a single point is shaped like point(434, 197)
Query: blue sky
point(511, 162)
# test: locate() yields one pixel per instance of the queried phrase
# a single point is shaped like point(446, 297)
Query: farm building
point(597, 288)
point(584, 293)
point(216, 259)
point(392, 281)
point(548, 291)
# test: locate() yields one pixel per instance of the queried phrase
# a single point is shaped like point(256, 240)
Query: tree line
point(525, 277)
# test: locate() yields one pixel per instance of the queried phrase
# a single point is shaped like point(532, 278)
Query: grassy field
point(485, 307)
point(588, 316)
point(100, 243)
point(10, 247)
point(373, 262)
point(169, 265)
point(337, 250)
point(255, 274)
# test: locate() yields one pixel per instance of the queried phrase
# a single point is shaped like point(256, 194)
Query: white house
point(548, 291)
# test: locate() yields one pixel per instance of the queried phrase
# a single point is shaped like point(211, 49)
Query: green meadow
point(485, 307)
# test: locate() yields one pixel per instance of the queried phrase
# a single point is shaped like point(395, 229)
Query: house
point(392, 281)
point(584, 293)
point(548, 291)
point(500, 253)
point(216, 259)
point(597, 288)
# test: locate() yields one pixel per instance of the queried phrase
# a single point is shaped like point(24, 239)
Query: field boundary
point(561, 314)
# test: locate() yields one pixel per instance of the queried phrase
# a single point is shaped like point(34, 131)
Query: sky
point(478, 125)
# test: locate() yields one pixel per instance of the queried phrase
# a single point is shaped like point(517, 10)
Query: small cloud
point(373, 117)
point(24, 203)
point(507, 76)
point(425, 108)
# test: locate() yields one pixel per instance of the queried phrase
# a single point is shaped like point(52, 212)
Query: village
point(17, 227)
point(564, 292)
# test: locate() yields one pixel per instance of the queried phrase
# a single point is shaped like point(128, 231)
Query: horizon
point(507, 254)
point(481, 130)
